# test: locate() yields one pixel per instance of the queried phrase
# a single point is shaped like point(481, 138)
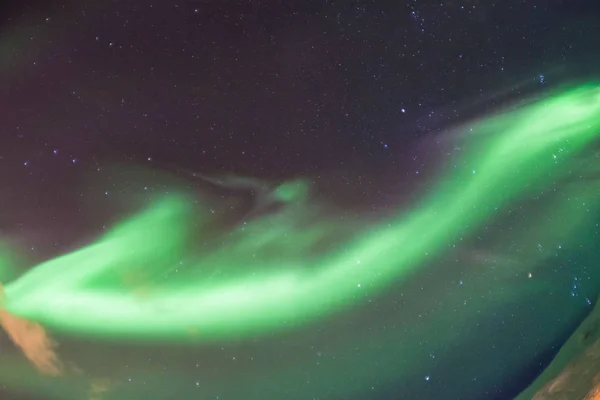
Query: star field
point(108, 106)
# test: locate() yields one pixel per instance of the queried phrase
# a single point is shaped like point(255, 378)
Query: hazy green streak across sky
point(510, 154)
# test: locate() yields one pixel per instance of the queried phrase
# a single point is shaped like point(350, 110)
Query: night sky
point(107, 105)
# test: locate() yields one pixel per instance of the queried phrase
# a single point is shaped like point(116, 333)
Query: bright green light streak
point(75, 293)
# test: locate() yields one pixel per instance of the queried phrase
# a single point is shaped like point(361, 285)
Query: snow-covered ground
point(574, 374)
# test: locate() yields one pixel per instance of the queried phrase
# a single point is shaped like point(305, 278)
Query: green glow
point(265, 276)
point(6, 264)
point(292, 191)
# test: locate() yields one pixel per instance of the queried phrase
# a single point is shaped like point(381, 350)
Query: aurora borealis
point(249, 291)
point(294, 200)
point(74, 292)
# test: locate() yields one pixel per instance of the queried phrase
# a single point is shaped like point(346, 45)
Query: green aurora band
point(255, 293)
